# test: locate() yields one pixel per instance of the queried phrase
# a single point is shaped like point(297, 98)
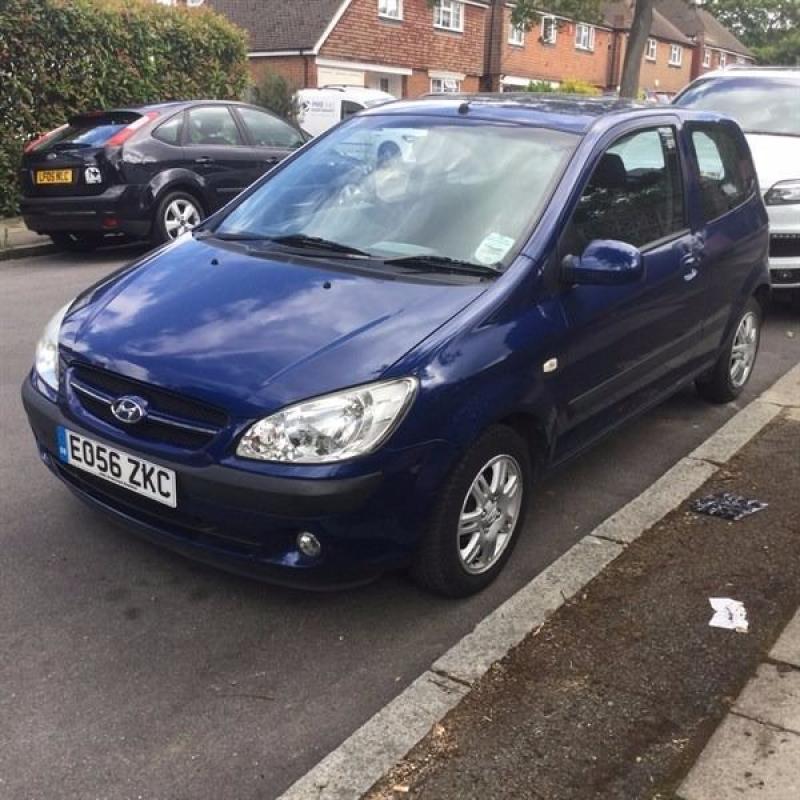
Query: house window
point(449, 14)
point(706, 57)
point(675, 55)
point(584, 37)
point(194, 3)
point(445, 85)
point(723, 60)
point(651, 50)
point(516, 35)
point(391, 9)
point(549, 30)
point(740, 60)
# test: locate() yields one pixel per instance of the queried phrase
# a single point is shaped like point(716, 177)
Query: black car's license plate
point(116, 466)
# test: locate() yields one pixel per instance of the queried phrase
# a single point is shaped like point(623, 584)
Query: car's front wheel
point(477, 520)
point(726, 380)
point(177, 213)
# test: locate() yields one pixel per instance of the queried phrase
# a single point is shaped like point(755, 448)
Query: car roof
point(569, 113)
point(739, 71)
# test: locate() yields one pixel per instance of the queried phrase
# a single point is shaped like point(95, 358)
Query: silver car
point(765, 101)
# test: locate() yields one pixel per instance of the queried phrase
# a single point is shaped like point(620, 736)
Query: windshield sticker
point(493, 248)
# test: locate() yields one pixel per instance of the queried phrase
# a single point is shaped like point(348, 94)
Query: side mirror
point(605, 262)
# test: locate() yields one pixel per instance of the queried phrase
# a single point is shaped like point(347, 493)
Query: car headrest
point(610, 173)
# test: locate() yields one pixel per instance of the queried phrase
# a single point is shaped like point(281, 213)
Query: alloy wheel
point(181, 215)
point(743, 353)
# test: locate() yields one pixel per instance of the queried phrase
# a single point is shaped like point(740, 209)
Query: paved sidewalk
point(755, 753)
point(16, 241)
point(617, 696)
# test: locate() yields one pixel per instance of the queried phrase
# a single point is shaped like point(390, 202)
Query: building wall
point(659, 75)
point(558, 61)
point(363, 36)
point(299, 71)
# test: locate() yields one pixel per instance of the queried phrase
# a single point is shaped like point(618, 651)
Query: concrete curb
point(25, 251)
point(365, 757)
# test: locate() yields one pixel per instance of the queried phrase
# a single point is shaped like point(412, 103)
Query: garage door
point(327, 76)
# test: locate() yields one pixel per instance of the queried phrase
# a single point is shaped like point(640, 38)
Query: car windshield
point(759, 105)
point(411, 187)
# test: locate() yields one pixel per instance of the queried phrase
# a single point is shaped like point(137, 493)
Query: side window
point(170, 131)
point(212, 125)
point(349, 108)
point(269, 131)
point(726, 173)
point(635, 194)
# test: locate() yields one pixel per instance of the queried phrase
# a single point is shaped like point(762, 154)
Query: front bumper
point(248, 523)
point(119, 209)
point(784, 246)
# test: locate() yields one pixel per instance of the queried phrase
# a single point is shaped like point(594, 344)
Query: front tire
point(476, 522)
point(726, 380)
point(177, 213)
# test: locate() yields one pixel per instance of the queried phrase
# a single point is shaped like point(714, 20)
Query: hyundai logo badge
point(129, 409)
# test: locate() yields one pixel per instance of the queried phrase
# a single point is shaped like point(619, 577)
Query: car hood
point(777, 158)
point(253, 333)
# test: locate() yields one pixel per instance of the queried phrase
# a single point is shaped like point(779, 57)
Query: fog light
point(308, 544)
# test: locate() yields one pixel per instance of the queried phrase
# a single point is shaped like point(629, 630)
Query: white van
point(320, 109)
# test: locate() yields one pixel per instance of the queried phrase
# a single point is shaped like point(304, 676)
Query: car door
point(628, 344)
point(269, 138)
point(728, 216)
point(214, 148)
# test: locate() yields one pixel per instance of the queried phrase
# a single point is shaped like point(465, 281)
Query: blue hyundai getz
point(365, 360)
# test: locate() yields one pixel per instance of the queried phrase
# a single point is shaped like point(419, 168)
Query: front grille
point(784, 245)
point(171, 419)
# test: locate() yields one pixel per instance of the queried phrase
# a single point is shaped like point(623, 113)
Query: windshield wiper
point(436, 263)
point(317, 243)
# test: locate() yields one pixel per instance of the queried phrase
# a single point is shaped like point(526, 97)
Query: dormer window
point(390, 9)
point(449, 15)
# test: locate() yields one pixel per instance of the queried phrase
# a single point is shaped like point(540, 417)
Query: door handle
point(204, 160)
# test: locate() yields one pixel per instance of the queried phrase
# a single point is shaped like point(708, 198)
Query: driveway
point(129, 672)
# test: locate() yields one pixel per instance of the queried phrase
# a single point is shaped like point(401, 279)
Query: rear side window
point(350, 107)
point(268, 131)
point(635, 194)
point(170, 131)
point(726, 172)
point(212, 125)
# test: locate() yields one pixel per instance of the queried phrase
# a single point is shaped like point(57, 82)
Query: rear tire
point(177, 213)
point(467, 544)
point(726, 380)
point(78, 242)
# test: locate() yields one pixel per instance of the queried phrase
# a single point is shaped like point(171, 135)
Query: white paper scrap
point(729, 614)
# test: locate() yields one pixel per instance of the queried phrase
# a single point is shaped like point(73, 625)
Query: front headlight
point(47, 349)
point(333, 427)
point(783, 193)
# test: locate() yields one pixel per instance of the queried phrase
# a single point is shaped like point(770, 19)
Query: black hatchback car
point(150, 171)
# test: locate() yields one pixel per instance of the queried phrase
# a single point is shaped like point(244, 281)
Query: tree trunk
point(637, 40)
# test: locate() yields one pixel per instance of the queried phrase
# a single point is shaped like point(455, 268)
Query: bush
point(540, 86)
point(574, 86)
point(61, 57)
point(276, 94)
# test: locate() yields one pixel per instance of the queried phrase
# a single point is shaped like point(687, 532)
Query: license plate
point(50, 176)
point(115, 466)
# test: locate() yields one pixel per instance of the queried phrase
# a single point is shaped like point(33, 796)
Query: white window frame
point(516, 35)
point(723, 59)
point(651, 51)
point(584, 36)
point(448, 15)
point(440, 86)
point(552, 22)
point(675, 55)
point(390, 9)
point(706, 56)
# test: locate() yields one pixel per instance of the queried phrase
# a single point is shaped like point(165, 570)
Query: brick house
point(715, 47)
point(400, 46)
point(407, 48)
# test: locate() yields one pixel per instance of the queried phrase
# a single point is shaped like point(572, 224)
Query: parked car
point(321, 109)
point(148, 171)
point(765, 101)
point(360, 366)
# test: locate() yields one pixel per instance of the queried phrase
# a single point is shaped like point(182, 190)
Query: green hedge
point(60, 57)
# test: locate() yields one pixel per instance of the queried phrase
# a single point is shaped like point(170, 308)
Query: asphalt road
point(127, 672)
